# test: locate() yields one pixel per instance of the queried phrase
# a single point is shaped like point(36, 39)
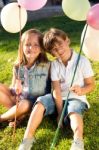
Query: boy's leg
point(44, 106)
point(75, 111)
point(33, 123)
point(34, 120)
point(6, 98)
point(76, 123)
point(23, 107)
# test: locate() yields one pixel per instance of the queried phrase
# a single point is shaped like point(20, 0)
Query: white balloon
point(76, 9)
point(10, 19)
point(91, 43)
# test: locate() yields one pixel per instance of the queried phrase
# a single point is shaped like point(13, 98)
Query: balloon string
point(15, 120)
point(65, 105)
point(17, 92)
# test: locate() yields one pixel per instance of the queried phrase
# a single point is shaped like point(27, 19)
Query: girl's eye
point(27, 45)
point(36, 46)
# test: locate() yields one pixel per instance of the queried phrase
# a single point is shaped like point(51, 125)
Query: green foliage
point(46, 131)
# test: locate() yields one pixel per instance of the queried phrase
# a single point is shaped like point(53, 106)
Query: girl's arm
point(13, 80)
point(16, 83)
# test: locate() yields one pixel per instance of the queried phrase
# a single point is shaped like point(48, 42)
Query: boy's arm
point(89, 85)
point(57, 97)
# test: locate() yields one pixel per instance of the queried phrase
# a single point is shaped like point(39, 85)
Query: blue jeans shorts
point(74, 105)
point(48, 102)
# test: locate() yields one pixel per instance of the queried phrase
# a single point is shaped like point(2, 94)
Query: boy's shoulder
point(84, 59)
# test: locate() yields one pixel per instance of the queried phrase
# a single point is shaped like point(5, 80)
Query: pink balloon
point(93, 17)
point(32, 4)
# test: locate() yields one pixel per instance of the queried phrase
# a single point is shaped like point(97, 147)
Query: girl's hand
point(18, 87)
point(77, 89)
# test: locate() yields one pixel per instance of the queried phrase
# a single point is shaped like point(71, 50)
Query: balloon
point(76, 9)
point(10, 19)
point(32, 4)
point(93, 17)
point(91, 43)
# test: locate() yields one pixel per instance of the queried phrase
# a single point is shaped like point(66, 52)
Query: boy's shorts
point(48, 102)
point(74, 105)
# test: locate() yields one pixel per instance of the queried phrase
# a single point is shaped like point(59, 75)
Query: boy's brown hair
point(50, 38)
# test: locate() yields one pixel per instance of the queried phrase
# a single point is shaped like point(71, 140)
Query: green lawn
point(46, 131)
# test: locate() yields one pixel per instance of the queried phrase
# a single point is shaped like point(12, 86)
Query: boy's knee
point(40, 106)
point(79, 129)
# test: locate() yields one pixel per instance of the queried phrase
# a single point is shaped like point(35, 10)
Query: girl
point(30, 77)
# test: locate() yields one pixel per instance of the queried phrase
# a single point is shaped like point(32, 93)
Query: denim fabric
point(74, 105)
point(35, 81)
point(48, 102)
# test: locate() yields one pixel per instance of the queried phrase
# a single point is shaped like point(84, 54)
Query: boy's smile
point(61, 49)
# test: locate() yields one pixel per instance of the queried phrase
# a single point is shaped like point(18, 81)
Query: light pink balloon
point(32, 4)
point(93, 17)
point(91, 43)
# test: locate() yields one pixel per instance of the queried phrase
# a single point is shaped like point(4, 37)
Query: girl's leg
point(76, 122)
point(34, 120)
point(6, 98)
point(23, 107)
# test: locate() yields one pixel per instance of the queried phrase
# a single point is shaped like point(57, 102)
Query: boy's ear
point(68, 41)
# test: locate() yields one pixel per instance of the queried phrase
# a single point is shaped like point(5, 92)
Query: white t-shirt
point(65, 74)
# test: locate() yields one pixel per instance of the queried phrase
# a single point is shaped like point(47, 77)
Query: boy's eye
point(54, 50)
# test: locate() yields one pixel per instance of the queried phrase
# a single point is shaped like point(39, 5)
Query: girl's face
point(31, 47)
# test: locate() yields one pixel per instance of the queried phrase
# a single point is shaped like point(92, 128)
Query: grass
point(46, 131)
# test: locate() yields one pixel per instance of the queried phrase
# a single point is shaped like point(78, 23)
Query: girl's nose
point(30, 47)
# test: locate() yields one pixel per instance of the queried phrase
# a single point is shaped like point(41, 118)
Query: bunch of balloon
point(91, 41)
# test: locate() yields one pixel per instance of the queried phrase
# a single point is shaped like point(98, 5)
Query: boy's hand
point(58, 118)
point(77, 89)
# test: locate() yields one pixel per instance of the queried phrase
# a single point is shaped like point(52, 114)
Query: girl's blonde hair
point(21, 59)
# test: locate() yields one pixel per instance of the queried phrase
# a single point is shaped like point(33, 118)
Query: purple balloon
point(32, 4)
point(93, 17)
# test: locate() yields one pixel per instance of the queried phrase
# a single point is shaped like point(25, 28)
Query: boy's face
point(61, 49)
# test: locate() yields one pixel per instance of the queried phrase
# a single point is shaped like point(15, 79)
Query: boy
point(57, 43)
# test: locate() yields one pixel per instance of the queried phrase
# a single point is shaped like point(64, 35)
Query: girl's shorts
point(30, 98)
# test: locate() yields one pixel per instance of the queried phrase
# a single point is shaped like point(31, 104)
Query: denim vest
point(36, 80)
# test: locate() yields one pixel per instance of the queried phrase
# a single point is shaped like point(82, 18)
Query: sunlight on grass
point(46, 131)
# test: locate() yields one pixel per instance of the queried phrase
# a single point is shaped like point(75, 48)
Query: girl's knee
point(24, 105)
